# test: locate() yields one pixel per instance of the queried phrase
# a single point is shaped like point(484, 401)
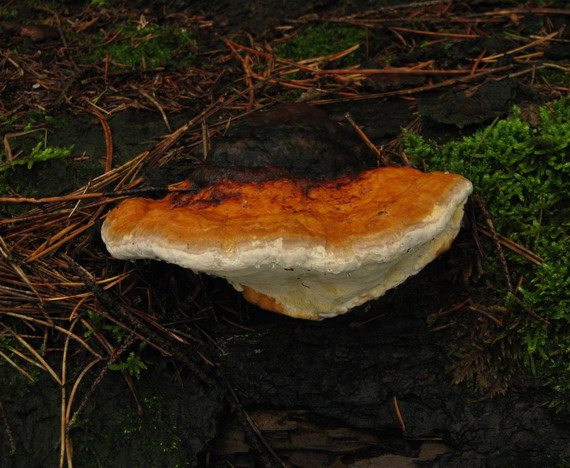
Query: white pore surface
point(315, 282)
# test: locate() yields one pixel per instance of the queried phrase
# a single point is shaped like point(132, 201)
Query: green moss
point(40, 166)
point(20, 10)
point(417, 24)
point(133, 364)
point(292, 95)
point(324, 39)
point(554, 76)
point(153, 420)
point(101, 324)
point(153, 45)
point(33, 149)
point(17, 10)
point(40, 153)
point(523, 174)
point(15, 381)
point(8, 13)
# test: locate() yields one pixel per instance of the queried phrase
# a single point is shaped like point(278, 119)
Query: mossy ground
point(146, 46)
point(521, 170)
point(325, 39)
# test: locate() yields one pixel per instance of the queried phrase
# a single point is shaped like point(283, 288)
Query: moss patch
point(151, 46)
point(324, 39)
point(520, 167)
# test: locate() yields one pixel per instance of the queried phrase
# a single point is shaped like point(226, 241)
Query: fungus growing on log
point(291, 209)
point(305, 248)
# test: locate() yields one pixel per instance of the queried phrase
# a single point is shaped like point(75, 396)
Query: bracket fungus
point(309, 238)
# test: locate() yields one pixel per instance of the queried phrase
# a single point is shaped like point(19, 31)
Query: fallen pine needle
point(399, 414)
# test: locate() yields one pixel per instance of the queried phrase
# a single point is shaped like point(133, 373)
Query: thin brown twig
point(129, 340)
point(108, 135)
point(439, 34)
point(366, 140)
point(542, 40)
point(399, 414)
point(157, 105)
point(419, 89)
point(503, 261)
point(517, 248)
point(393, 71)
point(486, 314)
